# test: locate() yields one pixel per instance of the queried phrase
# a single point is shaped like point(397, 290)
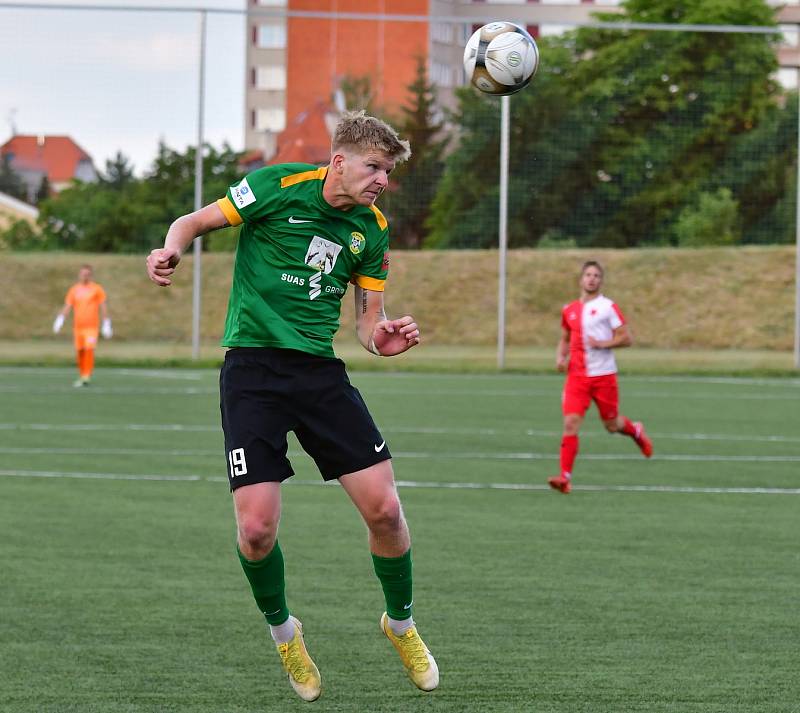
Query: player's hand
point(395, 336)
point(561, 363)
point(58, 323)
point(595, 343)
point(106, 330)
point(161, 264)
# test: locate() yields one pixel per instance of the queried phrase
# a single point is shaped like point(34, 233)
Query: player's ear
point(337, 162)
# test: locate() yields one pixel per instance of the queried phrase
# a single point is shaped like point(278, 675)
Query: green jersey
point(295, 257)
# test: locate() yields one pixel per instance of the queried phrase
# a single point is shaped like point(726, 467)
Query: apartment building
point(299, 59)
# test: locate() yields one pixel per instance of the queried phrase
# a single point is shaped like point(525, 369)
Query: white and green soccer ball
point(500, 58)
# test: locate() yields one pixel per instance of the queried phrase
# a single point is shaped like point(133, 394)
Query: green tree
point(358, 92)
point(618, 133)
point(124, 214)
point(544, 169)
point(713, 220)
point(20, 235)
point(119, 172)
point(407, 203)
point(761, 171)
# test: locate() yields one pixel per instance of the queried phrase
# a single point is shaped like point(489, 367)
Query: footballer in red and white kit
point(591, 328)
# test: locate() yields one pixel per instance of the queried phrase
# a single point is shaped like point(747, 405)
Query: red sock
point(628, 427)
point(569, 451)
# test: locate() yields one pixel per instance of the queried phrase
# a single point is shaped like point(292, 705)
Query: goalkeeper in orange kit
point(87, 299)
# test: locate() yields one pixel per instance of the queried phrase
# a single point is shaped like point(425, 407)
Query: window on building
point(270, 120)
point(441, 74)
point(442, 33)
point(790, 35)
point(271, 36)
point(271, 78)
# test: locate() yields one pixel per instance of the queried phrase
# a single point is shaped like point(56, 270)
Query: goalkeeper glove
point(58, 323)
point(106, 330)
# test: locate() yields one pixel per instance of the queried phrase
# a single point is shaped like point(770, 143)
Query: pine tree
point(414, 182)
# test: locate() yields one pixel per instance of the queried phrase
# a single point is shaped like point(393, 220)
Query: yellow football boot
point(420, 665)
point(302, 671)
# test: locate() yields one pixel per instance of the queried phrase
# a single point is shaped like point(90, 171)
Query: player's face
point(591, 280)
point(365, 175)
point(84, 275)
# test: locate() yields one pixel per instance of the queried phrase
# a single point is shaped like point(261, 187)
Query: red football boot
point(642, 440)
point(560, 483)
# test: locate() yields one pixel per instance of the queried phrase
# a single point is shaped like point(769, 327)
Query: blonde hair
point(359, 132)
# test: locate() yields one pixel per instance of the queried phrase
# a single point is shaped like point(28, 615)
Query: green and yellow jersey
point(295, 257)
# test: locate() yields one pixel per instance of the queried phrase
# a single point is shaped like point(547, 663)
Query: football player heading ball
point(306, 233)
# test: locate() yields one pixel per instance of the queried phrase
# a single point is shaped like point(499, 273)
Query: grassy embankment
point(722, 310)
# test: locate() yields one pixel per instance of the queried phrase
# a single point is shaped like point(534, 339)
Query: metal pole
point(797, 243)
point(503, 232)
point(198, 191)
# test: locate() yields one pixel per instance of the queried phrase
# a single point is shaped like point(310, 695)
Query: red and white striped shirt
point(597, 318)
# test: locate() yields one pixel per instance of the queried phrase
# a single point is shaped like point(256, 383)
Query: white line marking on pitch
point(417, 484)
point(112, 390)
point(98, 476)
point(100, 390)
point(107, 427)
point(413, 430)
point(424, 455)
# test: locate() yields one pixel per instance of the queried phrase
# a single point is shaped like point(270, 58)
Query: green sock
point(266, 581)
point(394, 574)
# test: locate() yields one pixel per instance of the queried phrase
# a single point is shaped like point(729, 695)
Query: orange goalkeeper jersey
point(85, 301)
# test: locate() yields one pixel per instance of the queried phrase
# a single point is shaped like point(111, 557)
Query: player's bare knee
point(611, 426)
point(385, 516)
point(256, 537)
point(572, 425)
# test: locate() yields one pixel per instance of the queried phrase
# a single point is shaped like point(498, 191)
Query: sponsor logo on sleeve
point(242, 194)
point(385, 264)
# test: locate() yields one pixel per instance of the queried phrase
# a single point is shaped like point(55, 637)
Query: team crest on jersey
point(242, 194)
point(322, 254)
point(357, 241)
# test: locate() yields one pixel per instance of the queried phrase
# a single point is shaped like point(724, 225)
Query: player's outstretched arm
point(161, 262)
point(377, 334)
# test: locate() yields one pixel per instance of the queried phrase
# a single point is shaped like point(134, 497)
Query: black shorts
point(266, 392)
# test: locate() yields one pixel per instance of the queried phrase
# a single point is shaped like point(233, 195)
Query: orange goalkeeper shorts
point(85, 338)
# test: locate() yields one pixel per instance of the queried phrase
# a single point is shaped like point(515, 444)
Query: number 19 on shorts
point(237, 462)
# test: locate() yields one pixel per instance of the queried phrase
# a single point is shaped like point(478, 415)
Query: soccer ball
point(500, 58)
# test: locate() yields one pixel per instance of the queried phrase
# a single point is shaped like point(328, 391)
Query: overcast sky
point(120, 80)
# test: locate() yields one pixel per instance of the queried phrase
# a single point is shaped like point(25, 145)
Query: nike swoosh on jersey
point(379, 448)
point(294, 220)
